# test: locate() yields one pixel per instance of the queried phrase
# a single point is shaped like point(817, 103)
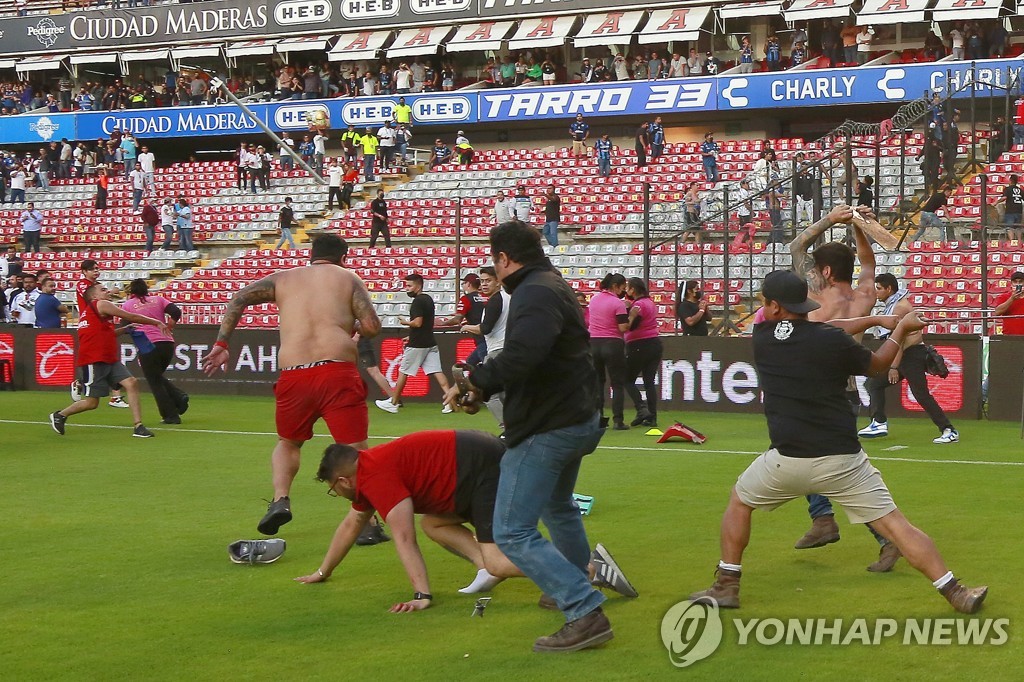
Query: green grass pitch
point(115, 564)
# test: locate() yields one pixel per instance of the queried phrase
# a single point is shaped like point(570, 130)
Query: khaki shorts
point(579, 147)
point(415, 358)
point(848, 480)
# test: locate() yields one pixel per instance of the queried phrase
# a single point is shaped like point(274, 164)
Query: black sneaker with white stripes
point(607, 573)
point(57, 421)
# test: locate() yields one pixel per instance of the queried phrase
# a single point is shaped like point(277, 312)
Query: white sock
point(728, 567)
point(944, 580)
point(484, 582)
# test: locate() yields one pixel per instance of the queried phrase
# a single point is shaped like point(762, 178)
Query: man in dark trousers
point(804, 367)
point(551, 421)
point(379, 220)
point(643, 141)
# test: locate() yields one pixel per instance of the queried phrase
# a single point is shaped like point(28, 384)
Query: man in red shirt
point(90, 270)
point(1012, 304)
point(451, 477)
point(99, 358)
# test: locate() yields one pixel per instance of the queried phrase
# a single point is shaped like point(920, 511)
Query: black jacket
point(545, 369)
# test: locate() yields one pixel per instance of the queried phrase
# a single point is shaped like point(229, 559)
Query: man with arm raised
point(320, 306)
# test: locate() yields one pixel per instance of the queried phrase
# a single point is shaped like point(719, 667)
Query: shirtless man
point(320, 306)
point(828, 270)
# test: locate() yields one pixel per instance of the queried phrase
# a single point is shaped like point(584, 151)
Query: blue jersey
point(579, 130)
point(604, 149)
point(709, 148)
point(773, 53)
point(747, 55)
point(657, 133)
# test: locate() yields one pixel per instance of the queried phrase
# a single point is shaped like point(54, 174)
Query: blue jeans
point(129, 166)
point(185, 238)
point(604, 167)
point(711, 169)
point(368, 160)
point(536, 484)
point(17, 196)
point(929, 219)
point(168, 237)
point(286, 235)
point(551, 232)
point(44, 180)
point(137, 198)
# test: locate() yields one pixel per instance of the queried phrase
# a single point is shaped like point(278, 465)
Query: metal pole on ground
point(647, 231)
point(984, 256)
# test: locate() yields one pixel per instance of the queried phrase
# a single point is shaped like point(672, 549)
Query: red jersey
point(1013, 326)
point(97, 339)
point(80, 289)
point(351, 176)
point(420, 466)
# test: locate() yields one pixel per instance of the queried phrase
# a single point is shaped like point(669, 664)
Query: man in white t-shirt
point(319, 152)
point(334, 174)
point(864, 38)
point(147, 161)
point(287, 162)
point(386, 135)
point(419, 75)
point(23, 303)
point(167, 220)
point(17, 185)
point(956, 39)
point(137, 178)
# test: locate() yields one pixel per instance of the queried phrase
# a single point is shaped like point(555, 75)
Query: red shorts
point(334, 391)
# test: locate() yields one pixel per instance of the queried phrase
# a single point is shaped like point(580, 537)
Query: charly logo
point(691, 631)
point(46, 32)
point(44, 127)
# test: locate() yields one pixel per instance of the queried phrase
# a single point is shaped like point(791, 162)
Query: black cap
point(789, 290)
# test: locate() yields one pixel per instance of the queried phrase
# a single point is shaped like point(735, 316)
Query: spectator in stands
point(23, 303)
point(447, 77)
point(334, 175)
point(49, 311)
point(956, 41)
point(523, 205)
point(1011, 303)
point(504, 208)
point(773, 53)
point(709, 157)
point(746, 56)
point(654, 67)
point(692, 309)
point(798, 56)
point(603, 149)
point(311, 83)
point(403, 135)
point(369, 143)
point(285, 152)
point(548, 71)
point(441, 154)
point(379, 225)
point(167, 221)
point(643, 352)
point(656, 134)
point(138, 182)
point(42, 170)
point(803, 188)
point(694, 64)
point(198, 90)
point(1013, 199)
point(641, 142)
point(150, 219)
point(586, 72)
point(403, 113)
point(348, 180)
point(830, 42)
point(102, 182)
point(677, 66)
point(997, 36)
point(242, 165)
point(865, 192)
point(306, 150)
point(285, 222)
point(552, 215)
point(997, 142)
point(929, 218)
point(712, 64)
point(350, 141)
point(975, 46)
point(266, 162)
point(463, 149)
point(18, 178)
point(931, 153)
point(254, 167)
point(129, 152)
point(183, 213)
point(421, 350)
point(319, 151)
point(147, 161)
point(848, 36)
point(691, 210)
point(864, 38)
point(386, 137)
point(620, 67)
point(745, 226)
point(156, 348)
point(31, 227)
point(579, 132)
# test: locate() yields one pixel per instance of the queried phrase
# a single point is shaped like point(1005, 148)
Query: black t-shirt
point(379, 206)
point(689, 309)
point(866, 197)
point(422, 336)
point(477, 303)
point(551, 209)
point(935, 202)
point(803, 369)
point(1014, 198)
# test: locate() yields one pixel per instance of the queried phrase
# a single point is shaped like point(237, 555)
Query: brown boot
point(590, 630)
point(824, 531)
point(964, 599)
point(888, 555)
point(725, 590)
point(548, 603)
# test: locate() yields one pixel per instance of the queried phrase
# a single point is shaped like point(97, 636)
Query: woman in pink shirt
point(608, 321)
point(156, 349)
point(643, 352)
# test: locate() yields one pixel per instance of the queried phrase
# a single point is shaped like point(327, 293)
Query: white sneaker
point(386, 405)
point(949, 435)
point(76, 391)
point(874, 430)
point(118, 402)
point(447, 409)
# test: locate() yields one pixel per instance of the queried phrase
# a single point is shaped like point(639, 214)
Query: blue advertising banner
point(37, 128)
point(613, 99)
point(864, 85)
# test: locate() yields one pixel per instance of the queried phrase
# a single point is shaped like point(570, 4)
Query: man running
point(98, 360)
point(829, 274)
point(320, 306)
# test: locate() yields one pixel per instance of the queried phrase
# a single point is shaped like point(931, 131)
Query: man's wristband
point(221, 344)
point(898, 343)
point(422, 595)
